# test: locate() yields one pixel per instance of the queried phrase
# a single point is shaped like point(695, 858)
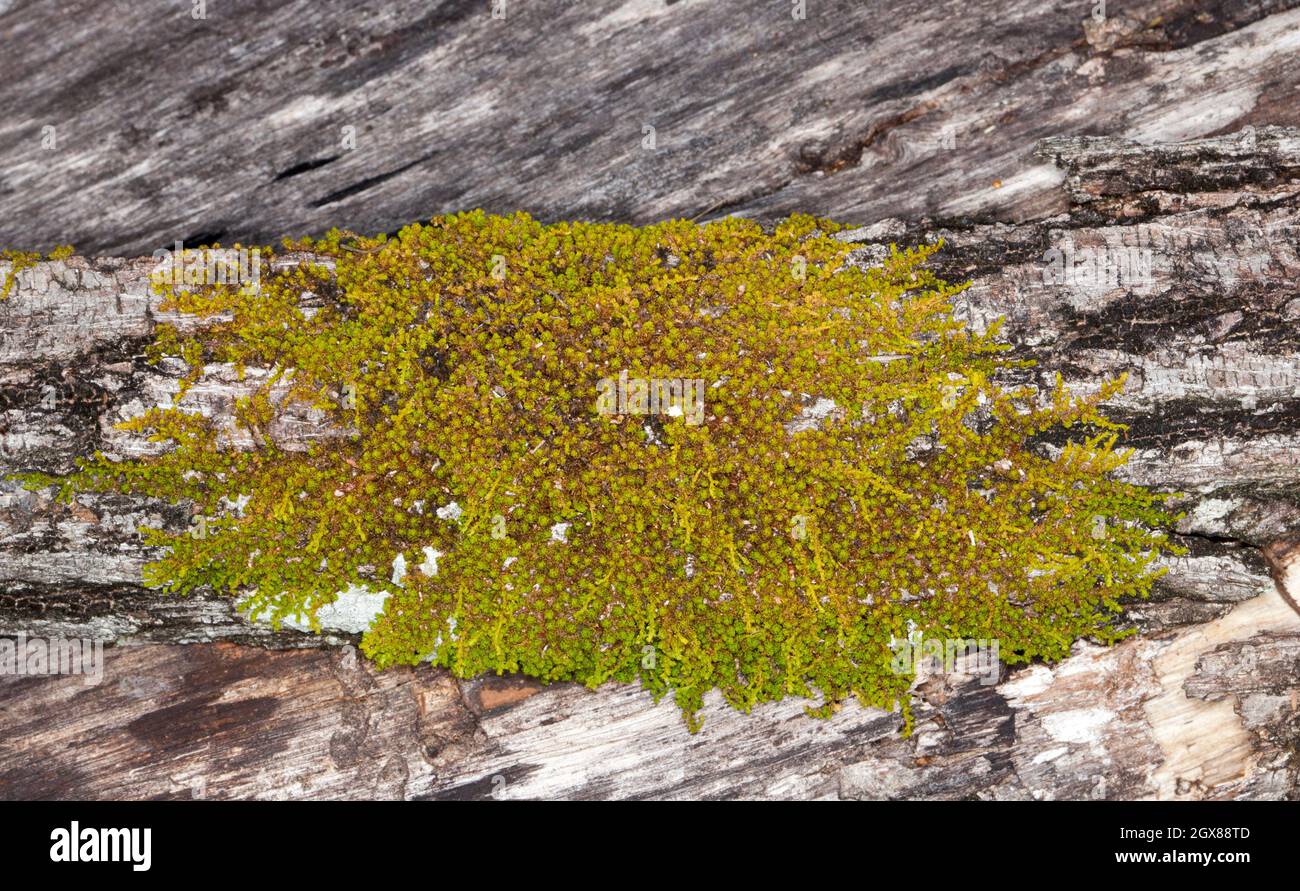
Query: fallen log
point(1172, 262)
point(606, 110)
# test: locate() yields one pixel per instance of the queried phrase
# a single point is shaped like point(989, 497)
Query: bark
point(1174, 261)
point(231, 128)
point(1200, 704)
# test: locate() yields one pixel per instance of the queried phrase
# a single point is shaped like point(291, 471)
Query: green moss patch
point(695, 456)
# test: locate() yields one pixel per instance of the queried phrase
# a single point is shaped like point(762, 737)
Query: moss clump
point(707, 545)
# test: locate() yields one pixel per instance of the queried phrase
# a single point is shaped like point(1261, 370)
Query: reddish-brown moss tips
point(698, 456)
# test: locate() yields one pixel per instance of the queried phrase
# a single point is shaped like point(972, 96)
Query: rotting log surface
point(1206, 332)
point(1201, 704)
point(232, 127)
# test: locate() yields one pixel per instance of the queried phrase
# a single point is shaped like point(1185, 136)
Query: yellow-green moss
point(464, 358)
point(20, 260)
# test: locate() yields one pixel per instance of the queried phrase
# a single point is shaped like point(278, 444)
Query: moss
point(20, 260)
point(706, 546)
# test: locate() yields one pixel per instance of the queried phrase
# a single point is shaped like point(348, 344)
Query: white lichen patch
point(812, 416)
point(352, 612)
point(430, 565)
point(1027, 682)
point(1080, 725)
point(236, 504)
point(1208, 513)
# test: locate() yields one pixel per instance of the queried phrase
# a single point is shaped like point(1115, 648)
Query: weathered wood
point(914, 120)
point(232, 127)
point(1205, 712)
point(1214, 372)
point(1171, 713)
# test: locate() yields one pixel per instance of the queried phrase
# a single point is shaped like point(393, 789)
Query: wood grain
point(231, 127)
point(1011, 131)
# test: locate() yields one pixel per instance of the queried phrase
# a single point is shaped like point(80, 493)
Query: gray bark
point(231, 128)
point(1190, 288)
